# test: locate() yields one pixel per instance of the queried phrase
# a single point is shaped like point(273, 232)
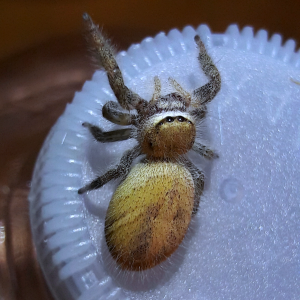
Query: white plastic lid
point(244, 241)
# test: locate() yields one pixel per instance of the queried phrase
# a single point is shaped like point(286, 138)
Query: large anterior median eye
point(180, 118)
point(169, 119)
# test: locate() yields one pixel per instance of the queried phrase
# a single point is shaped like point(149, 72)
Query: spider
point(150, 211)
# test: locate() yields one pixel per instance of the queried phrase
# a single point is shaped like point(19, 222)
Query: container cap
point(244, 241)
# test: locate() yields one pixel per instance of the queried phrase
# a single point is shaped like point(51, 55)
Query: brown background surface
point(43, 61)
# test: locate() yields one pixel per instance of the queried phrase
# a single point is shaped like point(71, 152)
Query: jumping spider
point(151, 209)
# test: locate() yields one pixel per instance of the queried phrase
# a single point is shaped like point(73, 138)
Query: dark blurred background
point(43, 61)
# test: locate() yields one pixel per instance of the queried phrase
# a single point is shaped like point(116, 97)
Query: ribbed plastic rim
point(64, 248)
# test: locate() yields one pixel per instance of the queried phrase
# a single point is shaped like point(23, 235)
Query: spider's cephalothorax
point(151, 209)
point(169, 130)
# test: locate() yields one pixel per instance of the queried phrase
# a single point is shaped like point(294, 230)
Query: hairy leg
point(208, 91)
point(204, 151)
point(198, 178)
point(109, 136)
point(199, 113)
point(157, 90)
point(103, 52)
point(180, 90)
point(113, 112)
point(120, 170)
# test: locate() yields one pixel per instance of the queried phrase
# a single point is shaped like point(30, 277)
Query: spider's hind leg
point(120, 170)
point(204, 151)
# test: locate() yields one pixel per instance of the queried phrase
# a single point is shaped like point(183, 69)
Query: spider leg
point(108, 136)
point(103, 52)
point(180, 90)
point(157, 90)
point(122, 169)
point(113, 112)
point(198, 178)
point(204, 151)
point(208, 91)
point(199, 113)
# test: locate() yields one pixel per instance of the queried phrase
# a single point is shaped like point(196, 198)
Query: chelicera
point(152, 207)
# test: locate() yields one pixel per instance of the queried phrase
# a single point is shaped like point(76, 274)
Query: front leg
point(104, 54)
point(109, 136)
point(120, 170)
point(208, 91)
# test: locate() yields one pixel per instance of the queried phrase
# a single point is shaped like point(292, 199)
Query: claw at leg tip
point(85, 16)
point(82, 191)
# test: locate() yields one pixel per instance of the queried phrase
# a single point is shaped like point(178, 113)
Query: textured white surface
point(244, 241)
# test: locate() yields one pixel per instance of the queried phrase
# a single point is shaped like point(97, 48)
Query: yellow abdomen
point(149, 214)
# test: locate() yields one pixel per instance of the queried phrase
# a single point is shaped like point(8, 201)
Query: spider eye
point(169, 119)
point(180, 118)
